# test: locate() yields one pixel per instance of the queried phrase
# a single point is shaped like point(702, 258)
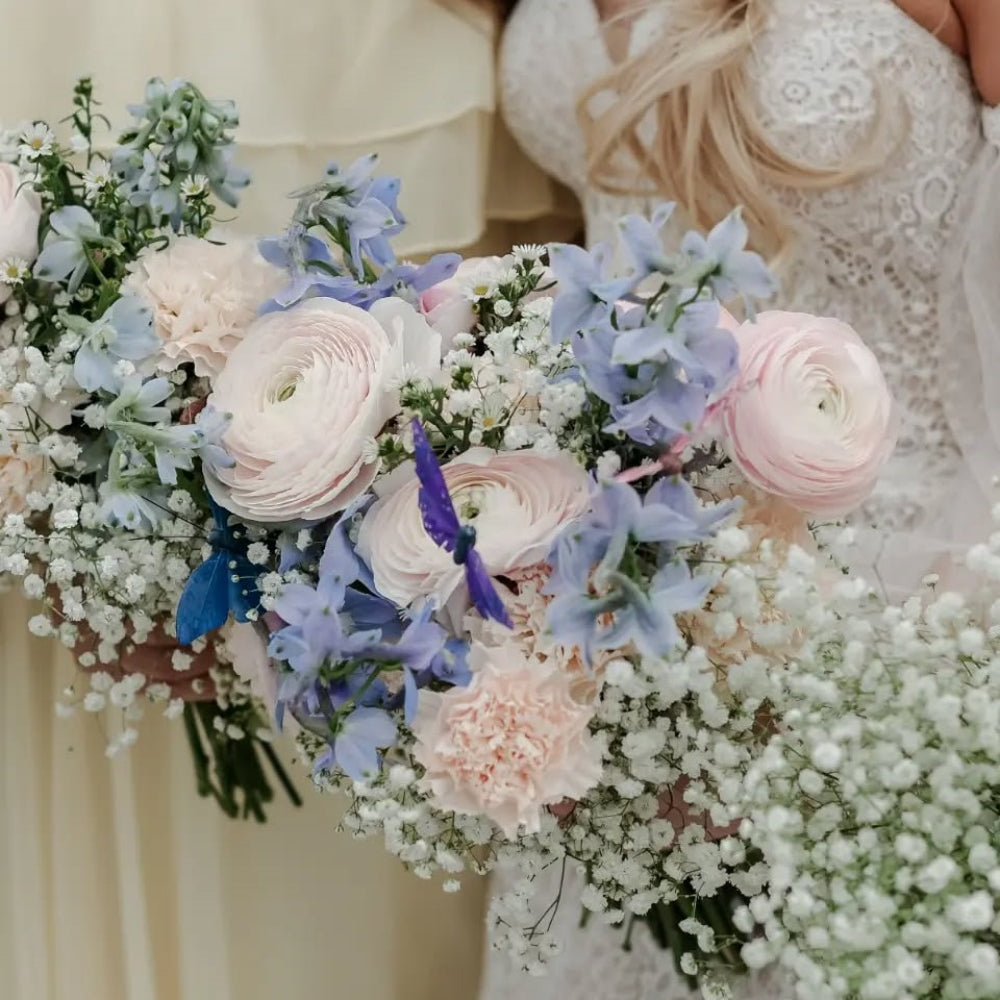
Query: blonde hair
point(710, 151)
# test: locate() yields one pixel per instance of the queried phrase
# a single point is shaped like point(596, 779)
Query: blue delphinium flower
point(64, 255)
point(415, 652)
point(211, 425)
point(136, 416)
point(310, 266)
point(177, 133)
point(732, 269)
point(618, 516)
point(626, 612)
point(124, 332)
point(657, 379)
point(602, 599)
point(695, 342)
point(315, 274)
point(357, 744)
point(643, 241)
point(586, 293)
point(131, 496)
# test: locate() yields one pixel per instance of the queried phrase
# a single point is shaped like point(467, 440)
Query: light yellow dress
point(116, 881)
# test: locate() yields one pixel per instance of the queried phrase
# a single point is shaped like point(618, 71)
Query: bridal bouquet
point(541, 565)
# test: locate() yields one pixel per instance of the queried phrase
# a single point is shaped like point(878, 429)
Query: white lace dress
point(871, 254)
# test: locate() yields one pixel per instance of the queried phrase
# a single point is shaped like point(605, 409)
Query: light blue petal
point(93, 371)
point(58, 259)
point(74, 222)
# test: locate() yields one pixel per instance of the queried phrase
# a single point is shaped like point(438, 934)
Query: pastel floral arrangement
point(543, 566)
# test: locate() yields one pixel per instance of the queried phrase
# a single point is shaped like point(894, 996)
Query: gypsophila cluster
point(875, 806)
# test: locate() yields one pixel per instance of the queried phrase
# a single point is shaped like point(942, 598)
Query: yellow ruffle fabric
point(116, 881)
point(315, 81)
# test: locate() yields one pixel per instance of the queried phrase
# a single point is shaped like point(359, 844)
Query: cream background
point(116, 881)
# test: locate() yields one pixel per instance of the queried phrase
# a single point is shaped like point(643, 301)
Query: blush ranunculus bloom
point(508, 745)
point(811, 419)
point(518, 502)
point(204, 297)
point(448, 304)
point(20, 213)
point(308, 390)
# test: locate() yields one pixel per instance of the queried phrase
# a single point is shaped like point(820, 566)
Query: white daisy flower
point(36, 140)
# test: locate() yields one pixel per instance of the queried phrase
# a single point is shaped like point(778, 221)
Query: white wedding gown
point(871, 254)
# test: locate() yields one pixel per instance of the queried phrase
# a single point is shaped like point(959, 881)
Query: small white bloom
point(826, 757)
point(14, 270)
point(36, 141)
point(93, 701)
point(971, 913)
point(96, 180)
point(732, 542)
point(192, 187)
point(174, 709)
point(609, 465)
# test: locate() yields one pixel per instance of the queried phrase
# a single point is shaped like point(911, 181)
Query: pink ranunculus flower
point(508, 745)
point(811, 419)
point(204, 297)
point(20, 213)
point(518, 502)
point(307, 391)
point(448, 304)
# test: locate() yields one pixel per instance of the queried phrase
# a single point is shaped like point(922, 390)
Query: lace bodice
point(869, 253)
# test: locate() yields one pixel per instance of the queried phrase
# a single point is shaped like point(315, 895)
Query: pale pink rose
point(20, 213)
point(508, 745)
point(448, 304)
point(204, 296)
point(518, 502)
point(811, 419)
point(22, 471)
point(308, 390)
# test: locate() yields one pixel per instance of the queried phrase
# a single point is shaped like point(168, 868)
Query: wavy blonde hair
point(709, 151)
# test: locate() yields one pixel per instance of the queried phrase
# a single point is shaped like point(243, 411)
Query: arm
point(982, 26)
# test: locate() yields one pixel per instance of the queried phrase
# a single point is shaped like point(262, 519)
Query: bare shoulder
point(982, 28)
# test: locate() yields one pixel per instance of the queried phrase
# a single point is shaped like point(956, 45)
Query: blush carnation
point(204, 296)
point(307, 391)
point(811, 419)
point(508, 745)
point(518, 502)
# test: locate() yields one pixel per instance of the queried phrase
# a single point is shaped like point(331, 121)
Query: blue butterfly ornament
point(225, 583)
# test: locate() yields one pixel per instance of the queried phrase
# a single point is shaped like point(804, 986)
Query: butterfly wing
point(204, 604)
point(483, 590)
point(436, 509)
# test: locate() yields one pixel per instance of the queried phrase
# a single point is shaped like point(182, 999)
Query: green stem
point(281, 774)
point(197, 752)
point(667, 915)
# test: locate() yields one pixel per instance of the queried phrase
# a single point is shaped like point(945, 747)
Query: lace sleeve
point(970, 314)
